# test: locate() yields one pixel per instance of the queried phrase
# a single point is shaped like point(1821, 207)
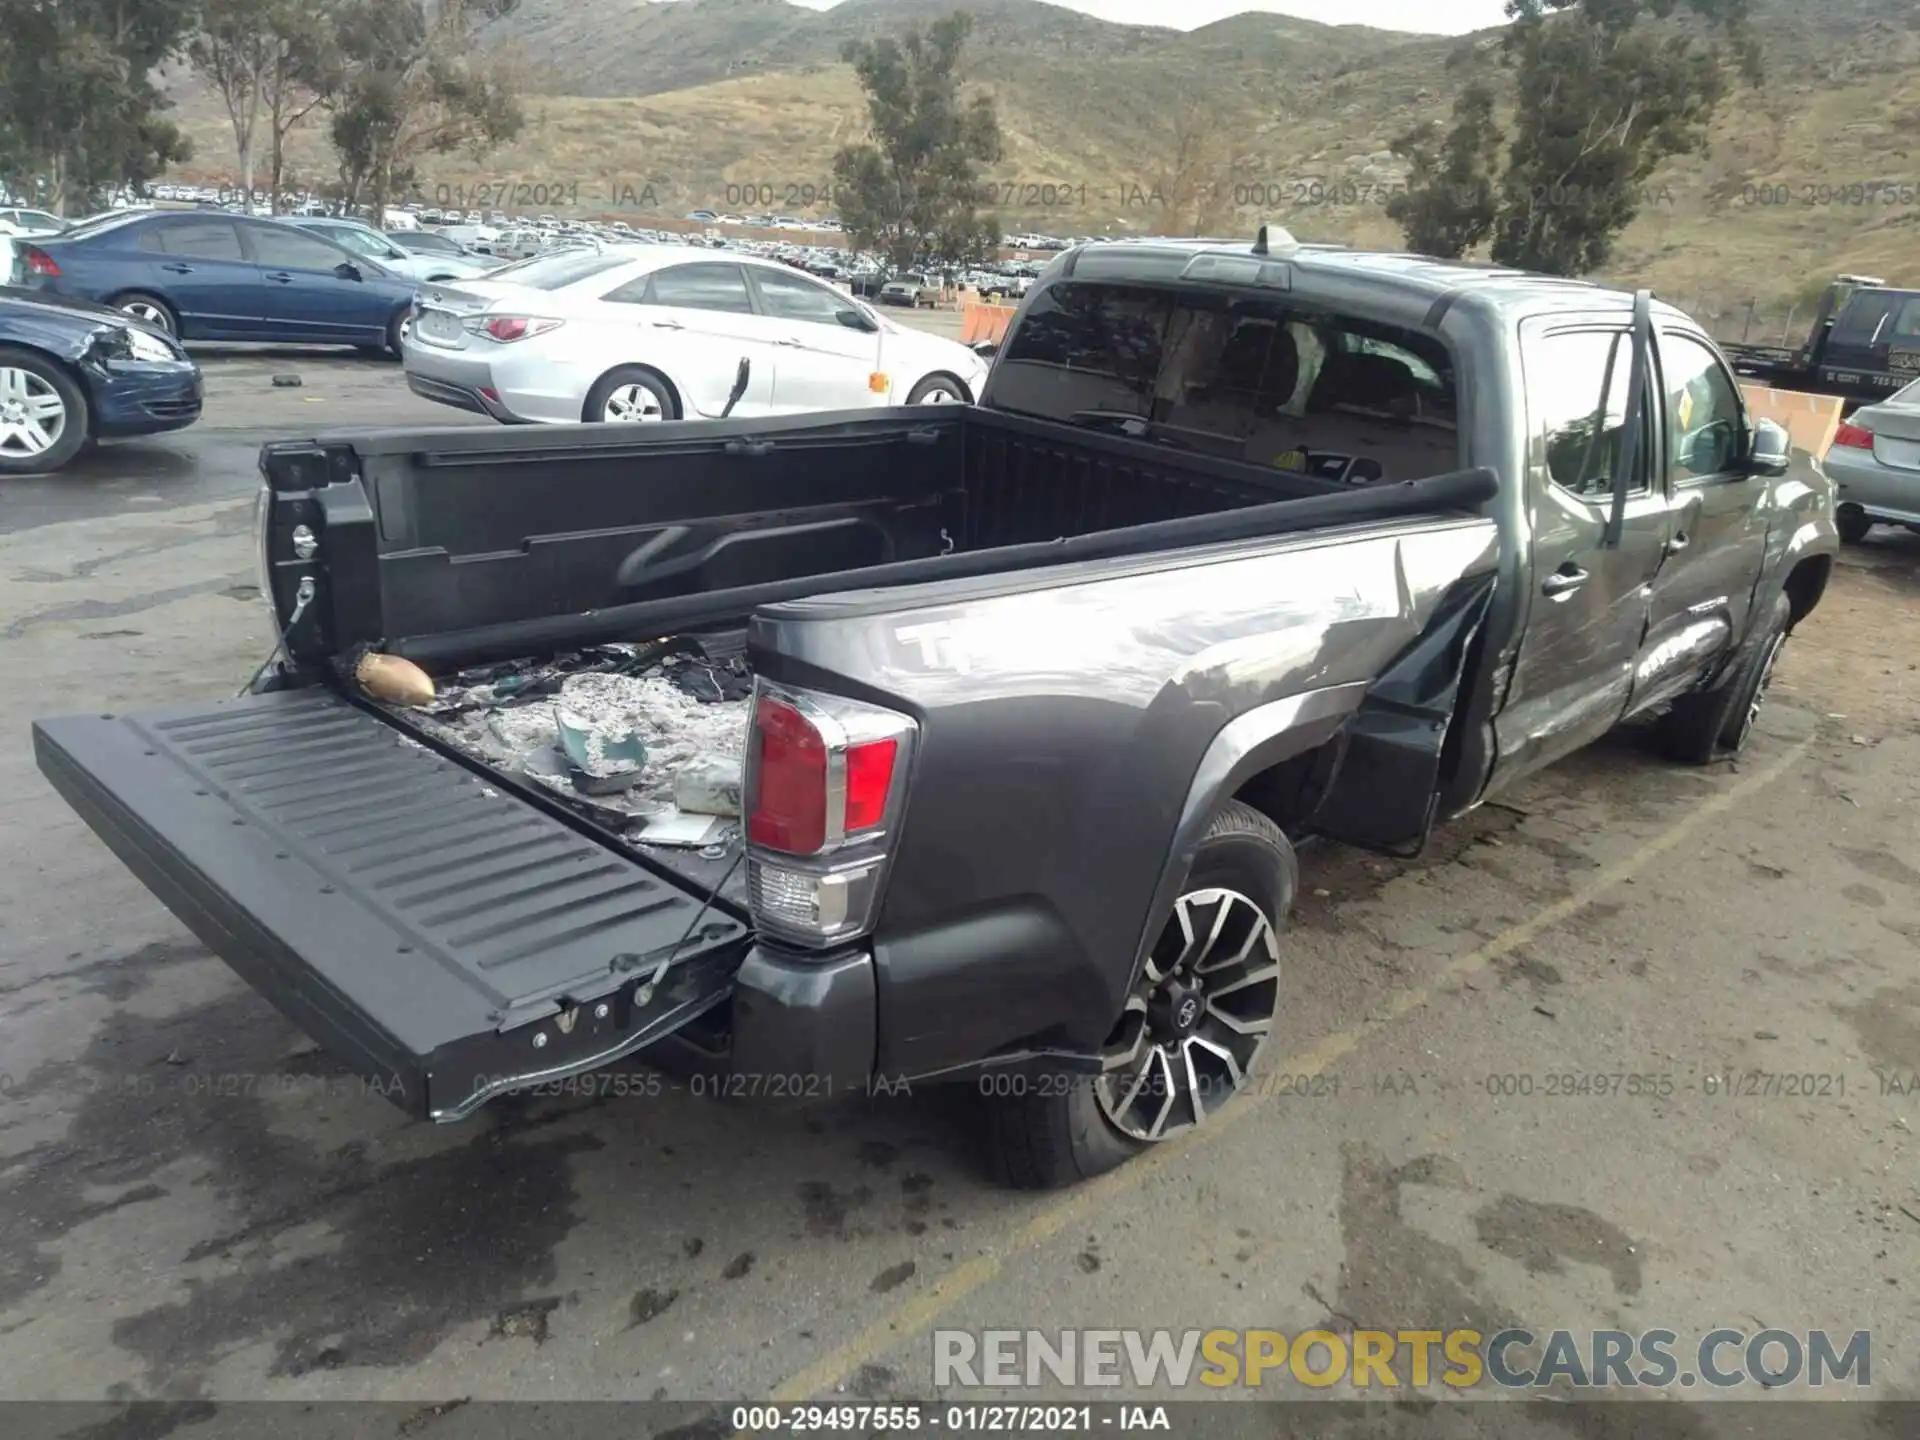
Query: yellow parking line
point(923, 1310)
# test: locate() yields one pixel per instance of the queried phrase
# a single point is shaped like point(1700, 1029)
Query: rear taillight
point(825, 783)
point(508, 328)
point(1853, 437)
point(38, 262)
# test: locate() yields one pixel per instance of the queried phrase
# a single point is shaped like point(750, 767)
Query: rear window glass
point(1247, 378)
point(552, 272)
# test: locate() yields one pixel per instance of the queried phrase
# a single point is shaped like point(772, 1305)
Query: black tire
point(1852, 523)
point(1716, 724)
point(1059, 1131)
point(148, 308)
point(638, 376)
point(940, 383)
point(77, 425)
point(394, 328)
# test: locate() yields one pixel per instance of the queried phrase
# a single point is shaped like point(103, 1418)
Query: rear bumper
point(461, 397)
point(1861, 481)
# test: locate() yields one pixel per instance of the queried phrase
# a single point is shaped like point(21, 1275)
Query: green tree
point(1451, 200)
point(233, 49)
point(1602, 91)
point(305, 62)
point(911, 190)
point(79, 112)
point(406, 82)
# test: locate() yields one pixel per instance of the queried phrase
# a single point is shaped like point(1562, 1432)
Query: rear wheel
point(1853, 524)
point(1191, 1032)
point(630, 395)
point(43, 414)
point(149, 310)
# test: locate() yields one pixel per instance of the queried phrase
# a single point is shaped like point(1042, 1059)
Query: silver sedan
point(1874, 463)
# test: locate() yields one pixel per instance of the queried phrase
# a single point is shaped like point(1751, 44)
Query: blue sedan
point(72, 372)
point(210, 275)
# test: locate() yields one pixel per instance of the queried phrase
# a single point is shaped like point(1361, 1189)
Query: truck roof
point(1384, 277)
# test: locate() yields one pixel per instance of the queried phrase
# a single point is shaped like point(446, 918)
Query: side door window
point(788, 297)
point(704, 286)
point(1706, 418)
point(1577, 390)
point(197, 239)
point(284, 248)
point(1862, 327)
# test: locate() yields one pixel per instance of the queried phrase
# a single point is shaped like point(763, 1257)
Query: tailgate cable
point(302, 598)
point(644, 994)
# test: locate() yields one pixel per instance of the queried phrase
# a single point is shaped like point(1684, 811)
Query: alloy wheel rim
point(33, 417)
point(632, 405)
point(148, 314)
point(1195, 1026)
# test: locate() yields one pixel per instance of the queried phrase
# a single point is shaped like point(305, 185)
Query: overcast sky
point(1436, 17)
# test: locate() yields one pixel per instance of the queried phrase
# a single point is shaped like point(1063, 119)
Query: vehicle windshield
point(100, 224)
point(1244, 377)
point(355, 239)
point(557, 271)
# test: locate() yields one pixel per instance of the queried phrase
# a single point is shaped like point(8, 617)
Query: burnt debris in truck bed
point(644, 740)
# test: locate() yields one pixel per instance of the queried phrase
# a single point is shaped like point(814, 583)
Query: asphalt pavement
point(195, 1204)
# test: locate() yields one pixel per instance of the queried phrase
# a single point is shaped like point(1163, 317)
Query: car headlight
point(140, 345)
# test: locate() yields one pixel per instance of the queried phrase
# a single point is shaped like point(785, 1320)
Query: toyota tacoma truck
point(1028, 702)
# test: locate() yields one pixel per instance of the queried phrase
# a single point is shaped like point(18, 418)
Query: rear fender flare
point(1258, 740)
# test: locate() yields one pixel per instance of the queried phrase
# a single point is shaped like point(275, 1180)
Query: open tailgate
point(445, 939)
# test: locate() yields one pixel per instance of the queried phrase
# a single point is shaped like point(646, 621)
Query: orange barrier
point(983, 322)
point(1810, 419)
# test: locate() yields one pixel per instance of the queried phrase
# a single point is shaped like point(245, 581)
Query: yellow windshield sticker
point(1686, 409)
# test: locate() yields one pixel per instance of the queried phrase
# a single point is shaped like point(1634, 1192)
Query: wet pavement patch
point(408, 1252)
point(826, 1209)
point(1543, 1237)
point(738, 1266)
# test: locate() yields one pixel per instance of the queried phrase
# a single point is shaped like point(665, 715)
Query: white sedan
point(636, 333)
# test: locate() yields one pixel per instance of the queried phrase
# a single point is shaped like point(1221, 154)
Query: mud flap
point(1385, 793)
point(445, 940)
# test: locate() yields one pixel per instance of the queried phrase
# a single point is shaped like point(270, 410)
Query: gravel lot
point(194, 1204)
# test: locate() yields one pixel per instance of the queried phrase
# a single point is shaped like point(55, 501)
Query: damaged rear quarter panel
point(1064, 719)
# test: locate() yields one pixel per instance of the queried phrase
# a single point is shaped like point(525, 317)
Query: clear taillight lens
point(825, 786)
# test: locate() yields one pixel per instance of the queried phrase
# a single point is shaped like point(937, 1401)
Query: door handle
point(178, 269)
point(1564, 581)
point(666, 325)
point(791, 343)
point(281, 277)
point(1677, 544)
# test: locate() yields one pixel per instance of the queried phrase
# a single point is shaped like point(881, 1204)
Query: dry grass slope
point(692, 98)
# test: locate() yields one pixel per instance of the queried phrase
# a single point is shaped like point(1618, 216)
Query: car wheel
point(1191, 1032)
point(44, 421)
point(1716, 724)
point(149, 310)
point(939, 390)
point(630, 395)
point(1853, 524)
point(397, 329)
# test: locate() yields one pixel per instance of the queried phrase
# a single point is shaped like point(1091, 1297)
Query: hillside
point(740, 104)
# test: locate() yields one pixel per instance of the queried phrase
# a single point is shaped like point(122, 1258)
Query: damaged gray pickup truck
point(958, 742)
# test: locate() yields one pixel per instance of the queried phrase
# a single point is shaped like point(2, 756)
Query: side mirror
point(1771, 450)
point(985, 349)
point(856, 320)
point(347, 270)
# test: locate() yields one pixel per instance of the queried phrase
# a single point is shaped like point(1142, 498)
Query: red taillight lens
point(41, 263)
point(790, 792)
point(869, 777)
point(508, 328)
point(1854, 437)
